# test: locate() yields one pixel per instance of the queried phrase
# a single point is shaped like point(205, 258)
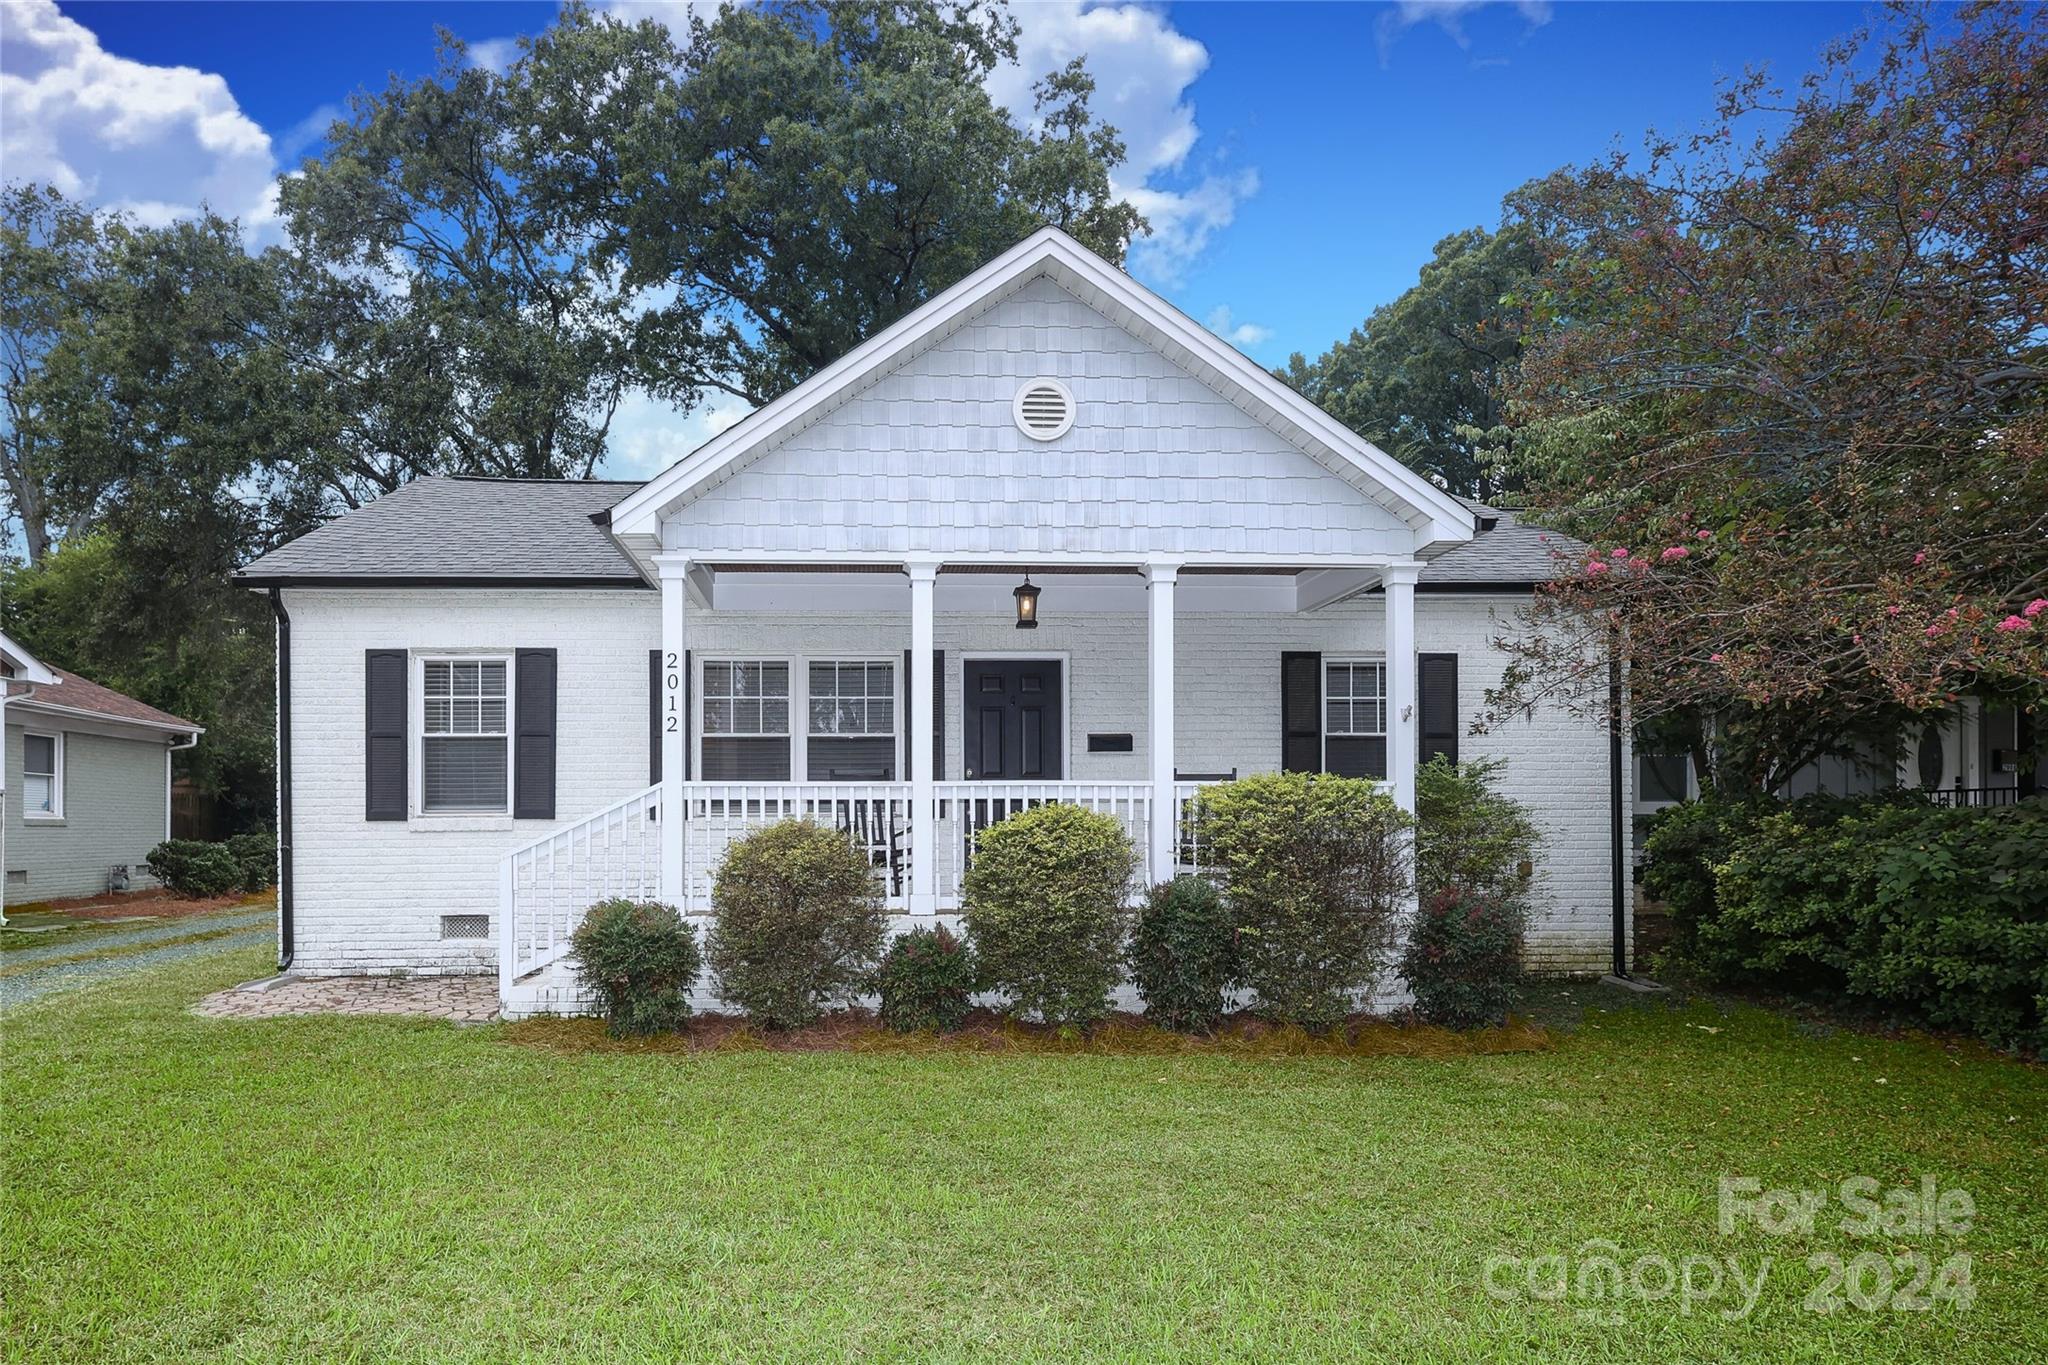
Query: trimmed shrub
point(1940, 913)
point(1468, 836)
point(796, 922)
point(1183, 955)
point(1317, 870)
point(926, 981)
point(256, 854)
point(640, 960)
point(1684, 845)
point(1464, 957)
point(1044, 905)
point(192, 867)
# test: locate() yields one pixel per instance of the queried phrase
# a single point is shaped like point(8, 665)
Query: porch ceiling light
point(1027, 604)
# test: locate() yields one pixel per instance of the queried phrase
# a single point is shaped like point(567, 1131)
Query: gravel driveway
point(24, 980)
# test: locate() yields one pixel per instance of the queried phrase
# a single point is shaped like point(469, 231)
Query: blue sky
point(1300, 160)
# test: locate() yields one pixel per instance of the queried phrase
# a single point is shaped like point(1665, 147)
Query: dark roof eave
point(265, 581)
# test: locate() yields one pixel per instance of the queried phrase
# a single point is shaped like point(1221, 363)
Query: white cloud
point(1142, 67)
point(154, 141)
point(1243, 335)
point(1448, 15)
point(648, 435)
point(494, 54)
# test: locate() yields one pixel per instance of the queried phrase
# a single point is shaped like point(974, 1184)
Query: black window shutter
point(938, 715)
point(1436, 688)
point(533, 735)
point(1301, 712)
point(385, 741)
point(653, 716)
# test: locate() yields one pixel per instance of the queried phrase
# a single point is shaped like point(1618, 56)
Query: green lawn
point(377, 1190)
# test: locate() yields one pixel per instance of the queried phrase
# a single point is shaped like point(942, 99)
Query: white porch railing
point(546, 885)
point(874, 815)
point(550, 882)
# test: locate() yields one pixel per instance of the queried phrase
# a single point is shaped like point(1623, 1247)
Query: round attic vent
point(1044, 409)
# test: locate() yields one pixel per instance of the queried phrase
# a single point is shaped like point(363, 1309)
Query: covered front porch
point(914, 703)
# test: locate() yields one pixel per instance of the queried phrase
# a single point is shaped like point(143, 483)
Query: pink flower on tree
point(2034, 608)
point(1893, 610)
point(1674, 552)
point(1595, 569)
point(1618, 552)
point(1920, 558)
point(1713, 658)
point(1704, 534)
point(2015, 623)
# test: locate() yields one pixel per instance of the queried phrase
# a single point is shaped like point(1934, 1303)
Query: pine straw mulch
point(988, 1031)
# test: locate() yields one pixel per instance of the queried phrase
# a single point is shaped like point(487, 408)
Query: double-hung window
point(42, 777)
point(1355, 717)
point(852, 720)
point(745, 709)
point(465, 749)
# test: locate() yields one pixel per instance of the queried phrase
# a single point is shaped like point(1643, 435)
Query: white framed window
point(743, 711)
point(1355, 698)
point(42, 777)
point(465, 746)
point(853, 698)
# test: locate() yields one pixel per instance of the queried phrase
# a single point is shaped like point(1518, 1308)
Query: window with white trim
point(42, 776)
point(1355, 699)
point(852, 720)
point(744, 709)
point(465, 745)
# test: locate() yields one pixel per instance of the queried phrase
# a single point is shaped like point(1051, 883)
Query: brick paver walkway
point(463, 999)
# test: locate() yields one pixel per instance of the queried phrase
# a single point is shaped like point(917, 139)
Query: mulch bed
point(155, 902)
point(986, 1031)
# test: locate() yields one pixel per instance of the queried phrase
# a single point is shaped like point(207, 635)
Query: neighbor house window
point(852, 721)
point(464, 749)
point(42, 776)
point(1355, 697)
point(745, 712)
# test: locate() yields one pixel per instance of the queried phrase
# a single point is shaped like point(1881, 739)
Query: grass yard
point(374, 1189)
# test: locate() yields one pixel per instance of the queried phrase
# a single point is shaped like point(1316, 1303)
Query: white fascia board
point(96, 722)
point(1436, 516)
point(27, 667)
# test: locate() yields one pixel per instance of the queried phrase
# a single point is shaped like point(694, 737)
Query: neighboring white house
point(483, 683)
point(87, 786)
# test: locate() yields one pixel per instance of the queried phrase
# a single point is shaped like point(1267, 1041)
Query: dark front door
point(1014, 729)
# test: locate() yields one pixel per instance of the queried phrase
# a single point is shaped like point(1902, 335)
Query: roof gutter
point(285, 943)
point(263, 582)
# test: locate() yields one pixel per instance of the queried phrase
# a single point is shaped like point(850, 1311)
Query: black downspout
point(1614, 811)
point(284, 779)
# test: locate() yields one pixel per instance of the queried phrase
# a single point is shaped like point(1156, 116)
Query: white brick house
point(484, 683)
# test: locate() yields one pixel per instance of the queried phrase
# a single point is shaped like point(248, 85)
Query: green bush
point(797, 922)
point(256, 854)
point(1183, 955)
point(1468, 836)
point(1316, 870)
point(191, 867)
point(1684, 845)
point(1464, 957)
point(640, 960)
point(1044, 906)
point(1940, 913)
point(926, 981)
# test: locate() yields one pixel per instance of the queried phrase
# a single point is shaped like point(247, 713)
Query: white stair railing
point(874, 815)
point(547, 884)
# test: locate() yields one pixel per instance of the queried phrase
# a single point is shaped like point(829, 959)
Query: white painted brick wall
point(370, 895)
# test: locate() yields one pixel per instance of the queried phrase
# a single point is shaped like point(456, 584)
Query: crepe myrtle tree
point(1790, 390)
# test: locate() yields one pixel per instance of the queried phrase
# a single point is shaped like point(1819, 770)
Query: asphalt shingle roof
point(83, 694)
point(468, 530)
point(462, 530)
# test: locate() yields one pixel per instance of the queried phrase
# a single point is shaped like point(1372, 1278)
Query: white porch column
point(1402, 721)
point(924, 844)
point(675, 708)
point(1164, 825)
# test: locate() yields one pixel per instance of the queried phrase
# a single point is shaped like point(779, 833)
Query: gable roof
point(1437, 517)
point(22, 666)
point(461, 532)
point(74, 695)
point(1507, 551)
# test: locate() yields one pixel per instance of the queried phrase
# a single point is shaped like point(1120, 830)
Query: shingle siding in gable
point(929, 458)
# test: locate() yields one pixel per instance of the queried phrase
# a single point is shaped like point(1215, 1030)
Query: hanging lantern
point(1027, 604)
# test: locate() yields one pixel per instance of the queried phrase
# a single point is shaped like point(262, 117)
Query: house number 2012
point(675, 683)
